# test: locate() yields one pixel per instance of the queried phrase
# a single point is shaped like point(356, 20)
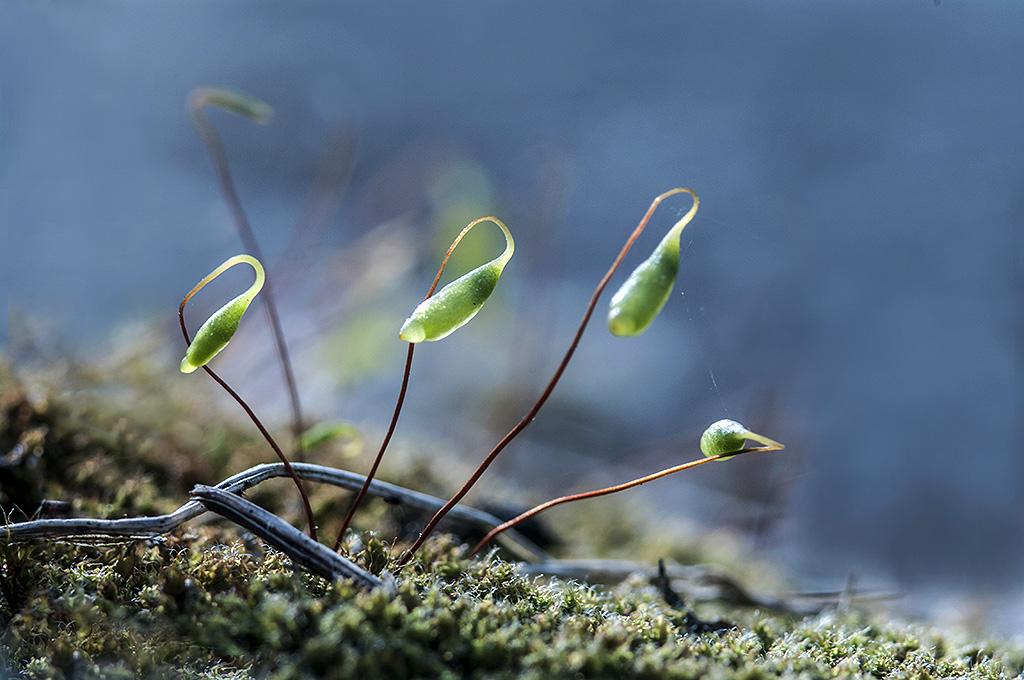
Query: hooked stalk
point(436, 318)
point(214, 335)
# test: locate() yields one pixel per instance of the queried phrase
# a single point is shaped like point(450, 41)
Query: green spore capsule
point(728, 436)
point(233, 101)
point(454, 305)
point(217, 331)
point(639, 300)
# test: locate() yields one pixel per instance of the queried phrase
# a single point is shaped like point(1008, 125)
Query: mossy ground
point(208, 601)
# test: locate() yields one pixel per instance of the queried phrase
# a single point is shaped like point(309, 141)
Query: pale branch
point(87, 530)
point(311, 555)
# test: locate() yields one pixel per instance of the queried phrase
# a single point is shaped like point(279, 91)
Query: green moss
point(210, 602)
point(196, 603)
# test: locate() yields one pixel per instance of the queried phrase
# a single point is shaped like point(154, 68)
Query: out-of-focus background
point(852, 284)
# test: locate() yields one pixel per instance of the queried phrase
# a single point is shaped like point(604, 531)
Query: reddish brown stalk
point(197, 99)
point(383, 447)
point(532, 413)
point(604, 492)
point(401, 392)
point(259, 425)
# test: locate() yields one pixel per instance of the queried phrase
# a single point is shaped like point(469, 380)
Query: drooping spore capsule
point(451, 307)
point(231, 100)
point(458, 302)
point(215, 333)
point(639, 300)
point(728, 436)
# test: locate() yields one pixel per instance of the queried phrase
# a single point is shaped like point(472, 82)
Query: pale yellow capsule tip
point(621, 327)
point(187, 366)
point(412, 331)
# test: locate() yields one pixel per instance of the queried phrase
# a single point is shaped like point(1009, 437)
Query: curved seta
point(217, 331)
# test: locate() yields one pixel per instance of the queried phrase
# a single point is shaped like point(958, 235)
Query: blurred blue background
point(852, 284)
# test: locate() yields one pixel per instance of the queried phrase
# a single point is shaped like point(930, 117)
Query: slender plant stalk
point(401, 392)
point(197, 99)
point(532, 413)
point(608, 490)
point(252, 416)
point(383, 448)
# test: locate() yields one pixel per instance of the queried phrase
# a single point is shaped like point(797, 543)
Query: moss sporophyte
point(437, 317)
point(214, 335)
point(719, 442)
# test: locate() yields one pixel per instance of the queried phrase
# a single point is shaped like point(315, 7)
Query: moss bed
point(209, 601)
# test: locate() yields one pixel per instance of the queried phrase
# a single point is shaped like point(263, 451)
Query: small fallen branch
point(87, 530)
point(311, 555)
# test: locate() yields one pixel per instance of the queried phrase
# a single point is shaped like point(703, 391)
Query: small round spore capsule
point(728, 436)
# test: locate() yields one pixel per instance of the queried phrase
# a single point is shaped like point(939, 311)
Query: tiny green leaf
point(217, 331)
point(728, 436)
point(322, 434)
point(454, 305)
point(639, 300)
